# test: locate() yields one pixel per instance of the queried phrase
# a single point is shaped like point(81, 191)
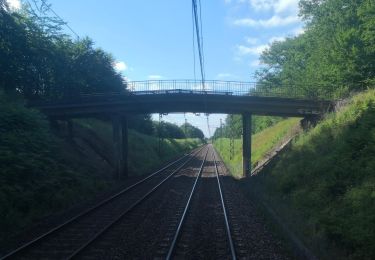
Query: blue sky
point(153, 39)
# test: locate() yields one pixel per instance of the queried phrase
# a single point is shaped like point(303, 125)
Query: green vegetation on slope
point(232, 127)
point(142, 146)
point(262, 143)
point(324, 186)
point(42, 174)
point(144, 151)
point(34, 178)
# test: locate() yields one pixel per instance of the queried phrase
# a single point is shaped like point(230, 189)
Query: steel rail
point(178, 231)
point(132, 207)
point(230, 240)
point(91, 209)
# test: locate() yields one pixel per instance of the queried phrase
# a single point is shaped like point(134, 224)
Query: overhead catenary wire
point(197, 24)
point(194, 61)
point(198, 29)
point(201, 33)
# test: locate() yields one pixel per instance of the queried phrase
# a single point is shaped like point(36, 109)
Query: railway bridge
point(172, 96)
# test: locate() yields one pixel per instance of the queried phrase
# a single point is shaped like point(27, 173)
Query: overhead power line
point(197, 24)
point(198, 29)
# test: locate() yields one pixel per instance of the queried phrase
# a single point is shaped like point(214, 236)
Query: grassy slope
point(41, 174)
point(324, 187)
point(35, 180)
point(262, 143)
point(141, 145)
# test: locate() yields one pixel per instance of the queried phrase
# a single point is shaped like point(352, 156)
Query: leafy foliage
point(168, 130)
point(329, 177)
point(191, 131)
point(39, 62)
point(334, 55)
point(38, 178)
point(34, 178)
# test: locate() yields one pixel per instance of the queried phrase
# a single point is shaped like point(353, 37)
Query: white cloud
point(286, 6)
point(274, 21)
point(298, 31)
point(251, 40)
point(254, 50)
point(120, 66)
point(14, 4)
point(276, 39)
point(255, 63)
point(277, 6)
point(259, 5)
point(155, 77)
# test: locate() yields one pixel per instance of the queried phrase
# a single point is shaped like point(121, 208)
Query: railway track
point(67, 240)
point(190, 209)
point(204, 230)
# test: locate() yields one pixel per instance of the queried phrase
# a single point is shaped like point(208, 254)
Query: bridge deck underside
point(174, 103)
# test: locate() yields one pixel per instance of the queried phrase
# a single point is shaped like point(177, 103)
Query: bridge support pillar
point(120, 145)
point(70, 129)
point(246, 144)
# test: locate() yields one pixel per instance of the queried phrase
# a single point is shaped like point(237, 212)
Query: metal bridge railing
point(237, 88)
point(196, 87)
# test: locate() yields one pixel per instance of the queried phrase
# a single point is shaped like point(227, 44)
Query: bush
point(328, 176)
point(34, 181)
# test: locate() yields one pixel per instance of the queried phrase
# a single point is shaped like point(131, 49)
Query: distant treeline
point(169, 130)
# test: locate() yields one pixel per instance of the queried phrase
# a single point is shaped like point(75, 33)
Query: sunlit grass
point(262, 143)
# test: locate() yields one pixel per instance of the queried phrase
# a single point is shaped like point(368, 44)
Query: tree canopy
point(39, 61)
point(168, 130)
point(332, 58)
point(191, 131)
point(335, 54)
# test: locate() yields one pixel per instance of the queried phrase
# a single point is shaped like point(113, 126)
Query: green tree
point(334, 55)
point(168, 130)
point(40, 62)
point(191, 131)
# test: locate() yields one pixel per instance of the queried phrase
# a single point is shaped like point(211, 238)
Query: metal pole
point(246, 144)
point(125, 144)
point(221, 133)
point(117, 145)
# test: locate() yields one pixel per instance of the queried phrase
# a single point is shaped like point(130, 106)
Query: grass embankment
point(35, 178)
point(143, 149)
point(41, 174)
point(262, 143)
point(324, 186)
